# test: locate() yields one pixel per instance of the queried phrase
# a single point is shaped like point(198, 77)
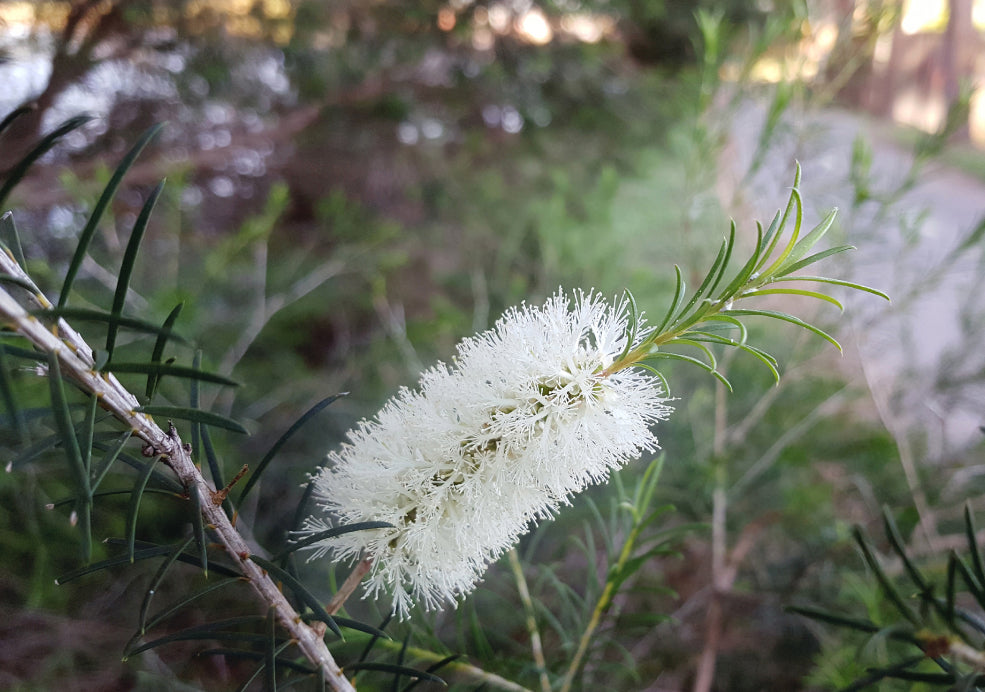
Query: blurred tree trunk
point(88, 24)
point(959, 51)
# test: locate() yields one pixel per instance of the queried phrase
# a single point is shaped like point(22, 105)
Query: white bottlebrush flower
point(523, 418)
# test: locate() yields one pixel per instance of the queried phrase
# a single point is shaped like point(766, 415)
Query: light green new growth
point(691, 324)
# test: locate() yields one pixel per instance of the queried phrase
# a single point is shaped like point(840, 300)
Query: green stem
point(528, 608)
point(605, 600)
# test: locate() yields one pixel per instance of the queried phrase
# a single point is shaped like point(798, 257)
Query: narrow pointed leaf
point(116, 321)
point(788, 318)
point(331, 533)
point(433, 668)
point(656, 373)
point(309, 599)
point(14, 114)
point(226, 630)
point(281, 441)
point(40, 149)
point(838, 619)
point(249, 655)
point(12, 241)
point(129, 261)
point(215, 466)
point(812, 259)
point(794, 234)
point(971, 534)
point(196, 415)
point(887, 585)
point(97, 212)
point(176, 607)
point(155, 583)
point(794, 292)
point(693, 361)
point(394, 670)
point(167, 370)
point(899, 547)
point(134, 509)
point(10, 400)
point(632, 321)
point(198, 529)
point(836, 282)
point(110, 455)
point(675, 303)
point(162, 339)
point(710, 278)
point(351, 624)
point(809, 240)
point(18, 281)
point(740, 279)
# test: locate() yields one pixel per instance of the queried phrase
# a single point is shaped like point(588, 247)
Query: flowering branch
point(690, 324)
point(76, 364)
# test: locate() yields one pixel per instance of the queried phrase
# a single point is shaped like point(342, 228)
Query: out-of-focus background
point(355, 186)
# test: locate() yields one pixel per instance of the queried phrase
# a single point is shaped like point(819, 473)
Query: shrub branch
point(75, 359)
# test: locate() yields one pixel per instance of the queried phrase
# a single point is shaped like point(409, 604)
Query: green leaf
point(215, 466)
point(309, 599)
point(10, 400)
point(162, 339)
point(129, 260)
point(887, 585)
point(836, 282)
point(195, 415)
point(97, 212)
point(40, 149)
point(198, 528)
point(134, 509)
point(144, 551)
point(155, 583)
point(110, 455)
point(675, 303)
point(223, 630)
point(693, 361)
point(88, 315)
point(742, 277)
point(18, 281)
point(798, 221)
point(838, 619)
point(281, 441)
point(166, 369)
point(331, 533)
point(394, 670)
point(351, 624)
point(433, 668)
point(793, 292)
point(14, 114)
point(809, 241)
point(787, 318)
point(807, 261)
point(249, 655)
point(713, 276)
point(971, 534)
point(656, 373)
point(632, 322)
point(176, 607)
point(270, 651)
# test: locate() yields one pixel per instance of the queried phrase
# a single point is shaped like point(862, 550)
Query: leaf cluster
point(941, 626)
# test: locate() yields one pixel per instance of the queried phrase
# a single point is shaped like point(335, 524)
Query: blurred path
point(922, 356)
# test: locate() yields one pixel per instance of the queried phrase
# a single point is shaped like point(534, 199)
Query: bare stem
point(348, 586)
point(528, 608)
point(77, 365)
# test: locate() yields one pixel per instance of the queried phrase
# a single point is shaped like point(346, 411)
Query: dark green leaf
point(225, 630)
point(196, 415)
point(331, 533)
point(835, 618)
point(215, 466)
point(675, 304)
point(155, 583)
point(971, 534)
point(272, 452)
point(394, 670)
point(14, 114)
point(198, 528)
point(887, 585)
point(97, 212)
point(40, 149)
point(134, 509)
point(88, 315)
point(10, 400)
point(12, 241)
point(434, 667)
point(158, 352)
point(110, 455)
point(270, 651)
point(165, 369)
point(127, 265)
point(787, 318)
point(248, 655)
point(18, 281)
point(176, 607)
point(309, 599)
